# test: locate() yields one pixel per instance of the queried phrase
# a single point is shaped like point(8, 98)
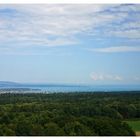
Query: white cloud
point(30, 22)
point(116, 49)
point(101, 77)
point(126, 8)
point(130, 33)
point(53, 25)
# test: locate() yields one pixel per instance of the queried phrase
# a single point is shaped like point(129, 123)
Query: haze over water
point(67, 88)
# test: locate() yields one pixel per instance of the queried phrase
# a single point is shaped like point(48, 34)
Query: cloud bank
point(116, 49)
point(105, 77)
point(52, 25)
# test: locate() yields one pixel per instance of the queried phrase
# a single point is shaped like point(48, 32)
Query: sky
point(70, 43)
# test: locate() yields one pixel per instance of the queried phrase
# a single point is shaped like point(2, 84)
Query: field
point(135, 124)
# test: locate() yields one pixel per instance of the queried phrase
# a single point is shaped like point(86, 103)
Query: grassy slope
point(135, 126)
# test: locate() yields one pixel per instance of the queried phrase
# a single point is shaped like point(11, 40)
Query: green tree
point(23, 128)
point(37, 130)
point(51, 129)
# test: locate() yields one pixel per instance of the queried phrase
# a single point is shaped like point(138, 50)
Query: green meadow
point(134, 124)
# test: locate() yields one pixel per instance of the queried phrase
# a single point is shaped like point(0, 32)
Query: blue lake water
point(69, 88)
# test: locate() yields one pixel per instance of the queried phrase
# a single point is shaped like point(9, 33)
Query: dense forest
point(68, 114)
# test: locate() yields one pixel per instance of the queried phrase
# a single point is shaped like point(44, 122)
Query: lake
point(67, 88)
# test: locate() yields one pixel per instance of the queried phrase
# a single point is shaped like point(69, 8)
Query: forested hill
point(72, 114)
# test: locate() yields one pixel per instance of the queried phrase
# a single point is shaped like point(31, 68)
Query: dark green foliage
point(51, 129)
point(37, 130)
point(72, 114)
point(23, 127)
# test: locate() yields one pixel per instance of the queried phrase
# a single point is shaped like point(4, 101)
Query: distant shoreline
point(56, 88)
point(38, 91)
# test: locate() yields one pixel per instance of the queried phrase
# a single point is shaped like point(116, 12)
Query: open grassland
point(135, 125)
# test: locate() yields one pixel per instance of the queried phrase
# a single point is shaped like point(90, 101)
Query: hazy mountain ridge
point(8, 83)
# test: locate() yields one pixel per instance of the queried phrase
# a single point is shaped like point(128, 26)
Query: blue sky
point(82, 44)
